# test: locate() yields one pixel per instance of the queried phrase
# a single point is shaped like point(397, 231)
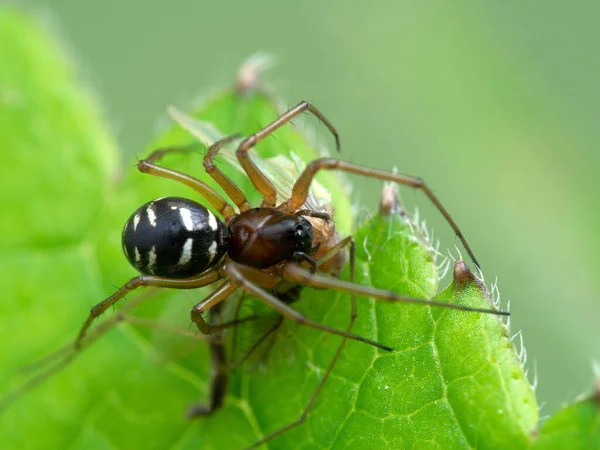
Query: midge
point(179, 244)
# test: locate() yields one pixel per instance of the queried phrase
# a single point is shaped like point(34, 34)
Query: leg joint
point(144, 166)
point(196, 315)
point(96, 311)
point(209, 166)
point(324, 163)
point(245, 145)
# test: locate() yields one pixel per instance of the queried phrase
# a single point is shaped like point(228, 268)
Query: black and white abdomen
point(174, 237)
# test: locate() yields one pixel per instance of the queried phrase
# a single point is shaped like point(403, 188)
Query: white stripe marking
point(151, 215)
point(212, 250)
point(212, 222)
point(186, 217)
point(136, 221)
point(138, 257)
point(186, 252)
point(152, 259)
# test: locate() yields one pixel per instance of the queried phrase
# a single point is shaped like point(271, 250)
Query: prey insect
point(176, 243)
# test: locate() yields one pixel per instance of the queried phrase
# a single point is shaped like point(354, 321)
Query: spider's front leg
point(258, 179)
point(230, 188)
point(244, 275)
point(302, 186)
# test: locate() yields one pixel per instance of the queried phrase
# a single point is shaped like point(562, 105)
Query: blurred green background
point(495, 104)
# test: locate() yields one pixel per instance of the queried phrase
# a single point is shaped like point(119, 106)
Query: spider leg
point(301, 256)
point(218, 382)
point(218, 359)
point(160, 153)
point(234, 335)
point(258, 179)
point(258, 343)
point(296, 274)
point(55, 362)
point(203, 279)
point(222, 292)
point(301, 188)
point(353, 315)
point(316, 214)
point(209, 303)
point(58, 360)
point(147, 166)
point(335, 250)
point(155, 324)
point(243, 275)
point(230, 188)
point(330, 254)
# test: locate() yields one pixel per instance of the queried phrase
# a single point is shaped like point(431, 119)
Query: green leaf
point(575, 427)
point(454, 379)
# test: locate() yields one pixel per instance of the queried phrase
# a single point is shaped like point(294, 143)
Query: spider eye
point(303, 235)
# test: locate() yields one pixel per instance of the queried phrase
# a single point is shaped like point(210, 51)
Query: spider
point(176, 243)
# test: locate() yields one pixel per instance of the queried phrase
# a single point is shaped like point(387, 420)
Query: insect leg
point(301, 189)
point(258, 179)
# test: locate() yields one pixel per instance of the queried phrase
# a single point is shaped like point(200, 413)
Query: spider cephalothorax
point(263, 237)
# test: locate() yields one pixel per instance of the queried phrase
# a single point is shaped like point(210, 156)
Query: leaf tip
point(463, 277)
